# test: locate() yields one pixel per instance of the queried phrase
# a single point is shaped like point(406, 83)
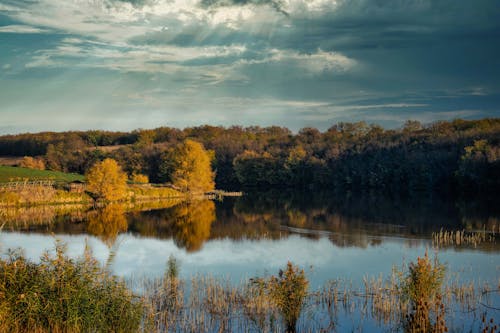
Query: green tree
point(188, 167)
point(107, 181)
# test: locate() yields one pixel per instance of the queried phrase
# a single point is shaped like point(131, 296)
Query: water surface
point(345, 237)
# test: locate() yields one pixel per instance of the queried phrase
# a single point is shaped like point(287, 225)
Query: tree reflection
point(191, 223)
point(107, 222)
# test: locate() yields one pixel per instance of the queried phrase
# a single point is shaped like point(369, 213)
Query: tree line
point(461, 155)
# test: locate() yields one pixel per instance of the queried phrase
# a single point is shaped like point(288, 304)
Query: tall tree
point(188, 166)
point(107, 181)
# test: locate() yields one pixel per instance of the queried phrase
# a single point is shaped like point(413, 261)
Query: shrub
point(139, 178)
point(32, 163)
point(287, 292)
point(423, 280)
point(60, 294)
point(421, 286)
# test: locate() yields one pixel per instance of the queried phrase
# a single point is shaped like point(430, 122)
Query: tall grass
point(40, 195)
point(60, 294)
point(445, 238)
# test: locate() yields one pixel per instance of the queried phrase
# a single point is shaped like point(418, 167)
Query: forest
point(459, 156)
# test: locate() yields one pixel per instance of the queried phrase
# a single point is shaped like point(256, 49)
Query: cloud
point(317, 62)
point(21, 29)
point(275, 4)
point(245, 61)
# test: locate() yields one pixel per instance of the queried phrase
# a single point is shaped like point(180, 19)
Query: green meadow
point(9, 173)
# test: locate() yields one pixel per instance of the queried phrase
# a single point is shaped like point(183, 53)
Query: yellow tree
point(107, 181)
point(188, 167)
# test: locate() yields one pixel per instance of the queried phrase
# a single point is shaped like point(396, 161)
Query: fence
point(25, 184)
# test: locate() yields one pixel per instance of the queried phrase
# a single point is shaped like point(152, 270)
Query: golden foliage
point(189, 165)
point(32, 163)
point(107, 180)
point(107, 222)
point(139, 178)
point(192, 224)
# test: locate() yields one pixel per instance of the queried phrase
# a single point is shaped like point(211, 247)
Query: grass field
point(9, 173)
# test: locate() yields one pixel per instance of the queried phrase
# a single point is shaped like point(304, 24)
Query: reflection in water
point(352, 220)
point(107, 222)
point(24, 218)
point(338, 236)
point(347, 220)
point(188, 223)
point(191, 224)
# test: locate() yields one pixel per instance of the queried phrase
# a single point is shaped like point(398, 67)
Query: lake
point(348, 237)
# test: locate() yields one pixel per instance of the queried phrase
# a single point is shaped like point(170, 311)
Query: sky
point(128, 64)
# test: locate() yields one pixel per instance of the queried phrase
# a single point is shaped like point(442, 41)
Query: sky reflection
point(238, 260)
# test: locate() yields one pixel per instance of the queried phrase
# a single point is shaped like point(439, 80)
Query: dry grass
point(412, 299)
point(60, 294)
point(445, 238)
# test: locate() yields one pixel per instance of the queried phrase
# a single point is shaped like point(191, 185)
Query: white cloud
point(166, 59)
point(21, 29)
point(327, 111)
point(318, 62)
point(302, 8)
point(105, 34)
point(114, 21)
point(41, 61)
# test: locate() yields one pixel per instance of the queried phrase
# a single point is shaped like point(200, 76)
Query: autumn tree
point(107, 181)
point(32, 163)
point(188, 167)
point(479, 166)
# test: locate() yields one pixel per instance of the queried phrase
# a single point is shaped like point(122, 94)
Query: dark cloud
point(441, 54)
point(276, 4)
point(137, 2)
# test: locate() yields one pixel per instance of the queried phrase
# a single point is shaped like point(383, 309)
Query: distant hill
point(9, 173)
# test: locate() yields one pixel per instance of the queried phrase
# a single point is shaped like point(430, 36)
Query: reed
point(445, 238)
point(60, 294)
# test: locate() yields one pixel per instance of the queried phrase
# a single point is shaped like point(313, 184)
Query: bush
point(32, 163)
point(423, 280)
point(60, 294)
point(421, 286)
point(287, 292)
point(139, 178)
